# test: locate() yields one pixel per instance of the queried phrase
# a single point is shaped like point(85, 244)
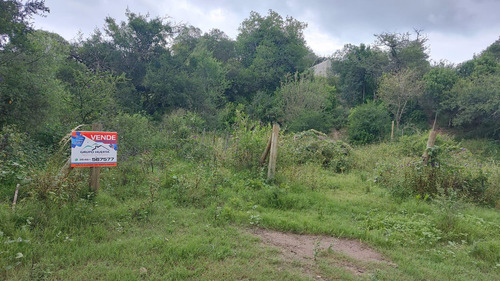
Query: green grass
point(189, 220)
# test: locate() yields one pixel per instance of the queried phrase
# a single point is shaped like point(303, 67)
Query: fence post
point(15, 197)
point(274, 152)
point(430, 141)
point(266, 151)
point(392, 130)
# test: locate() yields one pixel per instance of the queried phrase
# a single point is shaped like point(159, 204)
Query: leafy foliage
point(359, 69)
point(270, 47)
point(306, 103)
point(15, 19)
point(398, 89)
point(450, 171)
point(405, 52)
point(368, 123)
point(438, 83)
point(477, 103)
point(315, 147)
point(28, 84)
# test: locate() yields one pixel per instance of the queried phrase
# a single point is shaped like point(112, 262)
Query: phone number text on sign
point(93, 149)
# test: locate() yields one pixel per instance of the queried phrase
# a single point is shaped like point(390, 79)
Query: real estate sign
point(93, 149)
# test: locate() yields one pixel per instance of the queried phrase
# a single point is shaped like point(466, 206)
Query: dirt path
point(307, 248)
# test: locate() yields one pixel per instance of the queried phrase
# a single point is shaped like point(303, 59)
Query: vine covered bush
point(368, 123)
point(450, 170)
point(315, 147)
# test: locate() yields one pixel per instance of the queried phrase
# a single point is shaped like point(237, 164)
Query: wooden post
point(15, 197)
point(266, 151)
point(430, 141)
point(95, 171)
point(392, 130)
point(274, 152)
point(65, 170)
point(227, 141)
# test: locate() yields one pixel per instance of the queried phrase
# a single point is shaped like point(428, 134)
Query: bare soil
point(305, 249)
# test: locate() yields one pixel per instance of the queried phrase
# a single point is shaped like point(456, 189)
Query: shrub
point(414, 145)
point(368, 123)
point(18, 156)
point(447, 172)
point(181, 124)
point(315, 147)
point(134, 134)
point(250, 138)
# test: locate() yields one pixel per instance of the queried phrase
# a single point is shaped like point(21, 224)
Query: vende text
point(103, 137)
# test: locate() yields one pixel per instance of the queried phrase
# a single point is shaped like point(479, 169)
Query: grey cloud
point(341, 16)
point(349, 21)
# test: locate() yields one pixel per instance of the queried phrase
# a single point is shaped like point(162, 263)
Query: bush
point(315, 147)
point(250, 139)
point(368, 123)
point(134, 134)
point(18, 156)
point(448, 171)
point(181, 124)
point(414, 145)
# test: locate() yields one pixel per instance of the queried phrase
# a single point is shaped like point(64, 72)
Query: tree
point(398, 88)
point(219, 45)
point(304, 102)
point(138, 41)
point(358, 69)
point(127, 47)
point(269, 47)
point(405, 52)
point(485, 63)
point(474, 99)
point(186, 41)
point(209, 76)
point(90, 94)
point(438, 83)
point(477, 103)
point(166, 81)
point(15, 19)
point(30, 93)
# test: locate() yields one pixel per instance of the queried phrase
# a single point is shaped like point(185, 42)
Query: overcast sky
point(457, 29)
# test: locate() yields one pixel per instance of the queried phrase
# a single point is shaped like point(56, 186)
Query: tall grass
point(177, 208)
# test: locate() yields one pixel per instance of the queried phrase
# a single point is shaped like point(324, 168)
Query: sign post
point(94, 149)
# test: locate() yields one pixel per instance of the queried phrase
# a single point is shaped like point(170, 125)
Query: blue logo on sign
point(78, 140)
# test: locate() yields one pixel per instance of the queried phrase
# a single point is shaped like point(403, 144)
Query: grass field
point(196, 220)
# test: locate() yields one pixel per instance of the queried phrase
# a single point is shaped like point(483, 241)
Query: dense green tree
point(97, 53)
point(188, 37)
point(30, 93)
point(486, 63)
point(473, 100)
point(438, 83)
point(219, 45)
point(269, 47)
point(477, 104)
point(138, 41)
point(167, 82)
point(358, 70)
point(127, 47)
point(209, 76)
